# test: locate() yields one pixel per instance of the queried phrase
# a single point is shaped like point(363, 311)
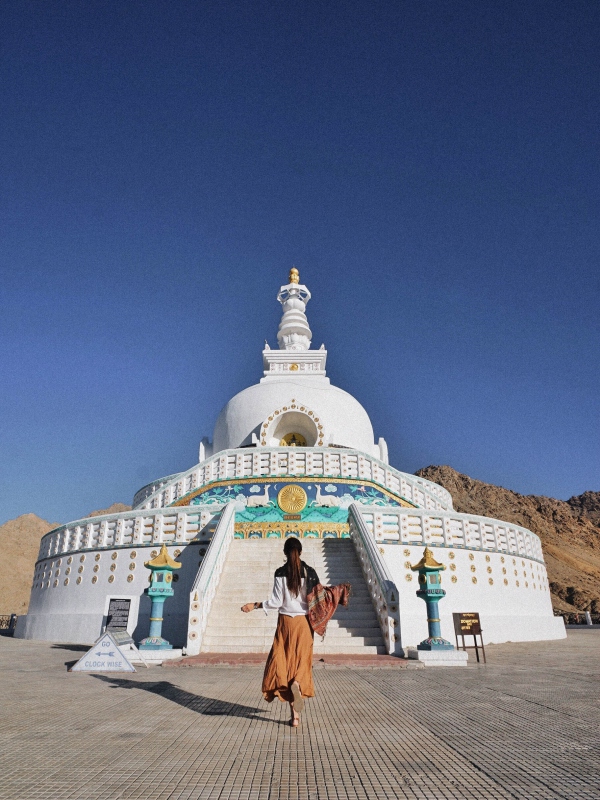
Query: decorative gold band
point(155, 619)
point(432, 620)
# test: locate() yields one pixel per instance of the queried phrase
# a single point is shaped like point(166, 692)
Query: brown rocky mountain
point(569, 530)
point(19, 546)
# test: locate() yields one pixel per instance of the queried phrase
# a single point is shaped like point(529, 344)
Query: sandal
point(298, 699)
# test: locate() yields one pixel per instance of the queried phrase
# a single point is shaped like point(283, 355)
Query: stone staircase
point(248, 576)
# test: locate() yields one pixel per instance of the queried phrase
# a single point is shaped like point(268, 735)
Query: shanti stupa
point(291, 455)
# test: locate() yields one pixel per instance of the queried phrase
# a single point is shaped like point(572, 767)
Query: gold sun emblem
point(292, 499)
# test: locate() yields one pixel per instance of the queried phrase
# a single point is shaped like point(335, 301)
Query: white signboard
point(104, 656)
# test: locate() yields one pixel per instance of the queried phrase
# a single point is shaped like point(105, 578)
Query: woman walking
point(288, 671)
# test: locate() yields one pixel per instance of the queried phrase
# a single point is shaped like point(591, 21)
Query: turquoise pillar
point(160, 588)
point(430, 590)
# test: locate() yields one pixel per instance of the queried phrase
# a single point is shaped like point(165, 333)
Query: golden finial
point(427, 562)
point(294, 275)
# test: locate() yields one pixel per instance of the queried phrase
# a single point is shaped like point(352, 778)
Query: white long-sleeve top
point(281, 600)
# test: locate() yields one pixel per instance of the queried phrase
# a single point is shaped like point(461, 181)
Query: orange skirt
point(290, 660)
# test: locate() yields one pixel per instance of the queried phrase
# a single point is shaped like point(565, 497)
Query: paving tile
point(524, 726)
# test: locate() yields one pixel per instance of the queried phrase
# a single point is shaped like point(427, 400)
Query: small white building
point(291, 455)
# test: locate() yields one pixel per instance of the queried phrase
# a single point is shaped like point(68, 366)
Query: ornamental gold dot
point(55, 583)
point(454, 579)
point(132, 566)
point(502, 559)
point(474, 579)
point(406, 551)
point(80, 569)
point(471, 557)
point(487, 558)
point(113, 567)
point(78, 580)
point(407, 564)
point(114, 556)
point(66, 581)
point(95, 579)
point(517, 582)
point(473, 568)
point(504, 570)
point(133, 554)
point(111, 578)
point(451, 554)
point(489, 569)
point(129, 578)
point(70, 560)
point(408, 577)
point(506, 581)
point(96, 567)
point(452, 567)
point(491, 581)
point(82, 559)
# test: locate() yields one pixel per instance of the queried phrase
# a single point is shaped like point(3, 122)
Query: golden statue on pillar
point(294, 275)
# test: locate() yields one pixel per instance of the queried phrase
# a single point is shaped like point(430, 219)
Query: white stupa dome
point(295, 403)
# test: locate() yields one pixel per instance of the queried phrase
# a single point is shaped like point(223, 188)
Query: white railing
point(126, 529)
point(152, 487)
point(298, 462)
point(207, 579)
point(450, 529)
point(384, 592)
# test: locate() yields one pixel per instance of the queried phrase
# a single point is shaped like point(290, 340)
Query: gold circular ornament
point(474, 579)
point(294, 367)
point(407, 564)
point(80, 569)
point(292, 499)
point(487, 558)
point(293, 440)
point(114, 556)
point(133, 554)
point(113, 567)
point(129, 578)
point(95, 579)
point(97, 557)
point(96, 567)
point(450, 554)
point(505, 582)
point(406, 551)
point(111, 578)
point(453, 567)
point(491, 581)
point(82, 559)
point(168, 577)
point(408, 577)
point(132, 566)
point(454, 579)
point(78, 581)
point(473, 567)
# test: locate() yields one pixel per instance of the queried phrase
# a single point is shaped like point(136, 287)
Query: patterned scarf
point(322, 603)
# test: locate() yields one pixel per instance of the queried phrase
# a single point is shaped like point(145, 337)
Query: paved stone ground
point(525, 726)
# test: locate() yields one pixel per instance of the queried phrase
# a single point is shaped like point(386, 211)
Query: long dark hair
point(292, 549)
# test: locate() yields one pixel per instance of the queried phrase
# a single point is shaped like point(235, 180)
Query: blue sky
point(431, 169)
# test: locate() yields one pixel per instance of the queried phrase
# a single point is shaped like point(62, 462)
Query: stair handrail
point(382, 587)
point(208, 577)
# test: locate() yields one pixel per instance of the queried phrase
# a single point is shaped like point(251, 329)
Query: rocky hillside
point(569, 530)
point(19, 546)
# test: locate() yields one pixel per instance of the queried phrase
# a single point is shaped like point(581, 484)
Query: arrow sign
point(103, 656)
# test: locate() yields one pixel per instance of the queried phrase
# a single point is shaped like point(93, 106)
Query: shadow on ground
point(75, 648)
point(207, 706)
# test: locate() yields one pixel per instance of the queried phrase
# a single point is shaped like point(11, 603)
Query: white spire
point(294, 332)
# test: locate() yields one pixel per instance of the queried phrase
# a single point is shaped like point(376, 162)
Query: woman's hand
point(248, 607)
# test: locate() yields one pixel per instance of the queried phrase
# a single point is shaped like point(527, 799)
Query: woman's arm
point(251, 606)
